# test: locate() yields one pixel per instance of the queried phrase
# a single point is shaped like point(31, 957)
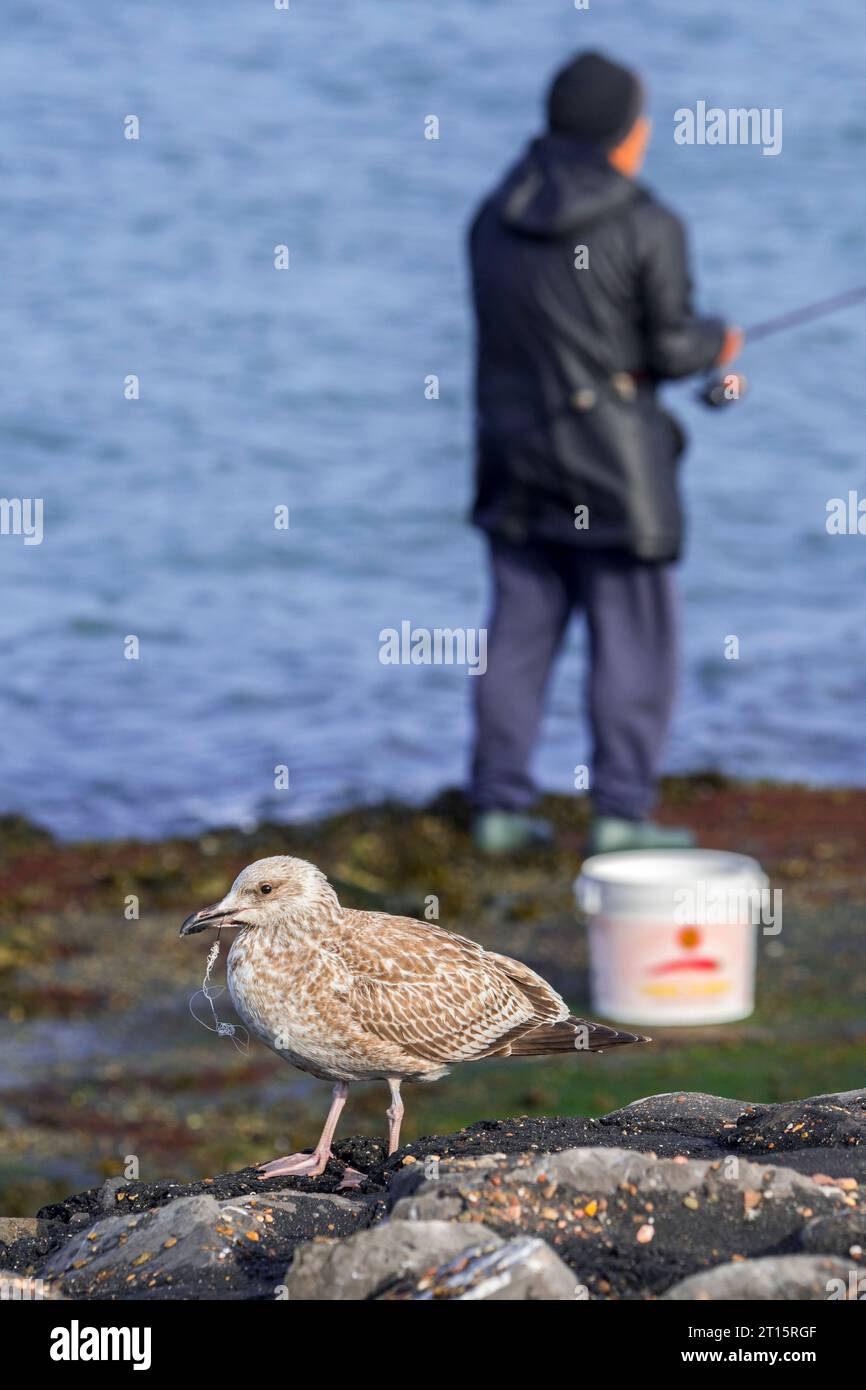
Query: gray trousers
point(630, 609)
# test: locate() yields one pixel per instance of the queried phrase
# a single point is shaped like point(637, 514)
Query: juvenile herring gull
point(363, 996)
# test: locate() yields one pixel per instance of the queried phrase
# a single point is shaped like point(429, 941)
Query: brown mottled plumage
point(359, 996)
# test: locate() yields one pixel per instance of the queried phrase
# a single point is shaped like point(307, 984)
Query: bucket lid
point(646, 881)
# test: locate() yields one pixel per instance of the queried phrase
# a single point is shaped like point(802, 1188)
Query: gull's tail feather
point(572, 1035)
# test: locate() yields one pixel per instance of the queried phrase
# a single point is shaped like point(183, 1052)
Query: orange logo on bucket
point(689, 939)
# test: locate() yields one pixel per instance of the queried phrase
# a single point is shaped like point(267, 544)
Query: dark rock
point(680, 1114)
point(76, 1221)
point(121, 1198)
point(107, 1196)
point(842, 1233)
point(87, 1202)
point(196, 1247)
point(822, 1134)
point(25, 1241)
point(13, 1228)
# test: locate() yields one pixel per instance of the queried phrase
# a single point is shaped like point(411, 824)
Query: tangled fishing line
point(210, 993)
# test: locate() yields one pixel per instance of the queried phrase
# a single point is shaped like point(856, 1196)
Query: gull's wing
point(439, 996)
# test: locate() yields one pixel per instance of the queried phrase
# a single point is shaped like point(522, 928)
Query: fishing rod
point(718, 389)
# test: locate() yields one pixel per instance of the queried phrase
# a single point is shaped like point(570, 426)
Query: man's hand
point(731, 347)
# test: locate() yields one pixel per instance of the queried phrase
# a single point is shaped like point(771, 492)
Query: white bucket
point(672, 934)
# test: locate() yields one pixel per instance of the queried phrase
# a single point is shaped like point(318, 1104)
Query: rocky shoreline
point(678, 1196)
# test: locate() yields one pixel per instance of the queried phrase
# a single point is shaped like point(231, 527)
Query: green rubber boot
point(507, 832)
point(611, 833)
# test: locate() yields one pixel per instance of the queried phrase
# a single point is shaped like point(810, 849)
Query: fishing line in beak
point(212, 992)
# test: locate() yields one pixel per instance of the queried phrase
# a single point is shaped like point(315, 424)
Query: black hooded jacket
point(569, 359)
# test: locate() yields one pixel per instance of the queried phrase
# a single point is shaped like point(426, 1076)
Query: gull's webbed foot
point(296, 1165)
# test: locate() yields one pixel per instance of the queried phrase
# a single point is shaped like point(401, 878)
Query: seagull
point(366, 996)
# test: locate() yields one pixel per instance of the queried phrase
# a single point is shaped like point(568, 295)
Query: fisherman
point(583, 306)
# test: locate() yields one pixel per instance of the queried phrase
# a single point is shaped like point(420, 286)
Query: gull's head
point(275, 892)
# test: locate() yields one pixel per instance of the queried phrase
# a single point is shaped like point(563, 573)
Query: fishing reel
point(722, 388)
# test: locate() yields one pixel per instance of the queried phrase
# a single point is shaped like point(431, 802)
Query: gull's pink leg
point(395, 1116)
point(351, 1177)
point(310, 1165)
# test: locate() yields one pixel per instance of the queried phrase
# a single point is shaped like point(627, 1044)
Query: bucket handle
point(588, 895)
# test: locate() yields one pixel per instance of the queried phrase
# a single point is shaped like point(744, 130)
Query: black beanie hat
point(595, 100)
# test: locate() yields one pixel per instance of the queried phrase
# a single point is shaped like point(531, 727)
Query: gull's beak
point(214, 916)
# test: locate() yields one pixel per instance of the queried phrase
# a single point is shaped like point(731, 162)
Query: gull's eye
point(265, 888)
